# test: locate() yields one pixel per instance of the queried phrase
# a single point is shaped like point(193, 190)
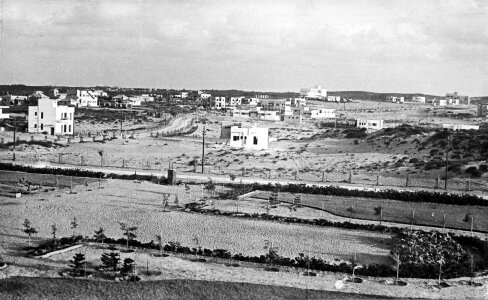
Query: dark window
point(235, 138)
point(42, 126)
point(42, 115)
point(35, 114)
point(69, 128)
point(255, 140)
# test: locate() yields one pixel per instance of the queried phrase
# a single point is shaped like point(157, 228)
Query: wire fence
point(366, 179)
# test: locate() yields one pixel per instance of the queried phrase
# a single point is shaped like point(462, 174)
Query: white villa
point(249, 137)
point(370, 125)
point(82, 98)
point(50, 117)
point(316, 92)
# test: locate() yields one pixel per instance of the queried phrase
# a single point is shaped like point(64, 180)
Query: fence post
point(377, 180)
point(468, 185)
point(350, 177)
point(296, 174)
point(32, 138)
point(243, 171)
point(407, 180)
point(2, 141)
point(437, 183)
point(323, 176)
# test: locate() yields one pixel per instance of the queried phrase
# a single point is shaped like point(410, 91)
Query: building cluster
point(453, 99)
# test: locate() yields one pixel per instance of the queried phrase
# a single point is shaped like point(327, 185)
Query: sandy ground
point(139, 204)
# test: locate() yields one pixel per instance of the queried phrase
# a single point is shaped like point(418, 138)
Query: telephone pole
point(203, 146)
point(447, 163)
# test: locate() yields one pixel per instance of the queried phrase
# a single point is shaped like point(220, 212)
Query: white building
point(82, 98)
point(395, 99)
point(205, 95)
point(3, 115)
point(249, 137)
point(235, 101)
point(299, 101)
point(440, 102)
point(419, 99)
point(334, 98)
point(184, 95)
point(99, 93)
point(293, 119)
point(15, 99)
point(316, 92)
point(240, 113)
point(50, 117)
point(370, 125)
point(133, 101)
point(460, 127)
point(451, 97)
point(220, 102)
point(321, 113)
point(269, 115)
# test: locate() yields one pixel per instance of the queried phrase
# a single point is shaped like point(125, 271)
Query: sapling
point(28, 229)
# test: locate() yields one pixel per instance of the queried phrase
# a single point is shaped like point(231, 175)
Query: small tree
point(28, 229)
point(111, 260)
point(128, 267)
point(210, 187)
point(53, 232)
point(100, 152)
point(232, 177)
point(128, 232)
point(100, 235)
point(77, 264)
point(159, 238)
point(74, 225)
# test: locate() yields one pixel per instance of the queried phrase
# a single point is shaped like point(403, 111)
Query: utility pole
point(15, 131)
point(447, 163)
point(203, 147)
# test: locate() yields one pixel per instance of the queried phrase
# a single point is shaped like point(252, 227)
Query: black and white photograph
point(243, 149)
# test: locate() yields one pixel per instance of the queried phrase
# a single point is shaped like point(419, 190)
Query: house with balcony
point(334, 98)
point(50, 117)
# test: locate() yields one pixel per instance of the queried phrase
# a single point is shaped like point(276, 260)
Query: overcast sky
point(383, 46)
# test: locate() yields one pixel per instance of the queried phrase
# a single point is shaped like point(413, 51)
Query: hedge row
point(391, 194)
point(301, 261)
point(79, 173)
point(451, 269)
